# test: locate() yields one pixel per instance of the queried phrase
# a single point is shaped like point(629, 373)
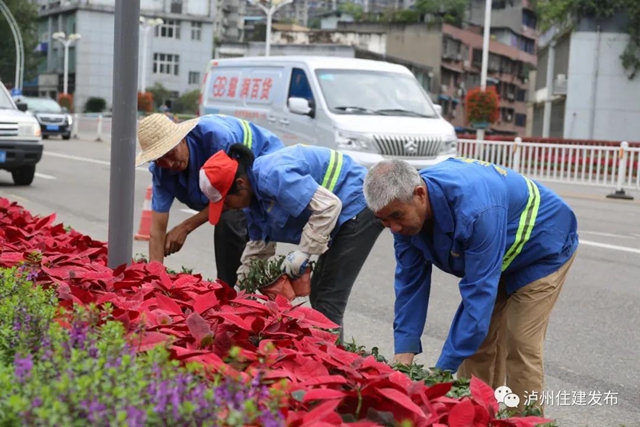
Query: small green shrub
point(95, 105)
point(26, 311)
point(90, 374)
point(261, 272)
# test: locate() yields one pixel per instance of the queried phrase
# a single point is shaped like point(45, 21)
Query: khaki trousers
point(512, 354)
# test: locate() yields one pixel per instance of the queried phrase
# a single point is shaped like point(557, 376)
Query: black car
point(54, 120)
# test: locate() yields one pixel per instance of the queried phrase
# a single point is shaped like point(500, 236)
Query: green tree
point(187, 103)
point(26, 15)
point(449, 11)
point(350, 8)
point(160, 94)
point(560, 12)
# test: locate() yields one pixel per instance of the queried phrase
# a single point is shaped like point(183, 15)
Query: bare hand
point(175, 240)
point(403, 358)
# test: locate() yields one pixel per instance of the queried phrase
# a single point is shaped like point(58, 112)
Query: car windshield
point(5, 101)
point(374, 92)
point(43, 105)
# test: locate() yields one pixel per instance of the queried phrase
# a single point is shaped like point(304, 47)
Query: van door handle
point(271, 119)
point(284, 121)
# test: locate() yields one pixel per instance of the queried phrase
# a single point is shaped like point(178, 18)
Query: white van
point(370, 110)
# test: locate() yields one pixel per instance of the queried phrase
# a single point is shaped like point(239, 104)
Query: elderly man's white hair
point(390, 180)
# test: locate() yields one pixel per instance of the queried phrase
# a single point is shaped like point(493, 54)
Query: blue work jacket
point(212, 134)
point(489, 224)
point(284, 182)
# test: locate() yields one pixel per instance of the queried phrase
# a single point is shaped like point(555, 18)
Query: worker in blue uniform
point(509, 239)
point(176, 153)
point(308, 196)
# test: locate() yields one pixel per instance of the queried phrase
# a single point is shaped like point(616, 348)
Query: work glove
point(295, 264)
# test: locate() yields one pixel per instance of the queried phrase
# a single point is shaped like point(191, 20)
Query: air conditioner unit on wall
point(560, 85)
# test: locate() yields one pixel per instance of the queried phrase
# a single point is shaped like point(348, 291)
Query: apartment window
point(176, 6)
point(170, 29)
point(507, 115)
point(194, 77)
point(529, 19)
point(196, 30)
point(521, 95)
point(476, 57)
point(166, 63)
point(521, 120)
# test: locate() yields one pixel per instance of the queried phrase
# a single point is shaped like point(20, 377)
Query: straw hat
point(158, 134)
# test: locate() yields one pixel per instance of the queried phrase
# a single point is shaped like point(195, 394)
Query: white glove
point(296, 263)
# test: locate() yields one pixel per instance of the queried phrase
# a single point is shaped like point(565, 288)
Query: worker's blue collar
point(439, 206)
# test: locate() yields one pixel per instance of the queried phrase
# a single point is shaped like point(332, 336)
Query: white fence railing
point(94, 127)
point(607, 166)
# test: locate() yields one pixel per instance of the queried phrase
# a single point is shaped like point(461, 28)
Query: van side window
point(299, 86)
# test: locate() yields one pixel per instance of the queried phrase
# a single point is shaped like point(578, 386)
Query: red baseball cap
point(216, 178)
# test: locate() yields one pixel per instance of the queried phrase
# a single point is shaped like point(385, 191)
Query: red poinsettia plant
point(483, 106)
point(289, 348)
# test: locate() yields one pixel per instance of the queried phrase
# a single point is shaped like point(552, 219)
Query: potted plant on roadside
point(482, 107)
point(266, 277)
point(66, 100)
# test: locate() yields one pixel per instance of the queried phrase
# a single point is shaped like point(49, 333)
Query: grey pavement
point(592, 344)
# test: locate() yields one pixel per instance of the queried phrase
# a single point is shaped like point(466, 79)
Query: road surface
point(593, 341)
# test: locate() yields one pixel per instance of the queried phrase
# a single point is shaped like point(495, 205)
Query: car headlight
point(450, 144)
point(29, 130)
point(69, 119)
point(352, 141)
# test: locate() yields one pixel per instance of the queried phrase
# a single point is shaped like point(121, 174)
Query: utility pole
point(66, 42)
point(145, 26)
point(274, 6)
point(546, 117)
point(485, 59)
point(123, 136)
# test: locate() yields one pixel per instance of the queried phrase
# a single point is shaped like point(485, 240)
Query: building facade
point(177, 51)
point(591, 95)
point(455, 56)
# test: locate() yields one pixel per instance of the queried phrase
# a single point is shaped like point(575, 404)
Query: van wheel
point(66, 137)
point(24, 175)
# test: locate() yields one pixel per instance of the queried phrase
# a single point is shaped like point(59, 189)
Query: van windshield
point(43, 105)
point(374, 93)
point(5, 101)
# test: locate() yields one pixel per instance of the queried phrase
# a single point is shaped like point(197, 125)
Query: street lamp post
point(66, 41)
point(17, 38)
point(145, 26)
point(274, 6)
point(485, 58)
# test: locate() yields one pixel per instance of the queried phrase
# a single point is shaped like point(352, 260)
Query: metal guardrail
point(94, 127)
point(606, 166)
point(97, 127)
point(600, 165)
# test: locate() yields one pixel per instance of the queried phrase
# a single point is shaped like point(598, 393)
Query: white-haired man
point(509, 239)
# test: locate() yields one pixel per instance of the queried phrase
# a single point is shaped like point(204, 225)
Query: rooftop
point(316, 62)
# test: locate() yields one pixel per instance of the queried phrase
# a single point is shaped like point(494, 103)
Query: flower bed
point(182, 337)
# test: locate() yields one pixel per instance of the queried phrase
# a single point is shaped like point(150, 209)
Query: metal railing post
point(99, 138)
point(515, 161)
point(74, 126)
point(477, 151)
point(622, 169)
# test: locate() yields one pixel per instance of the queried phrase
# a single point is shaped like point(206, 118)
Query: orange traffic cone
point(144, 232)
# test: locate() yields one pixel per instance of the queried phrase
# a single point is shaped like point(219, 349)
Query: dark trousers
point(230, 237)
point(337, 269)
